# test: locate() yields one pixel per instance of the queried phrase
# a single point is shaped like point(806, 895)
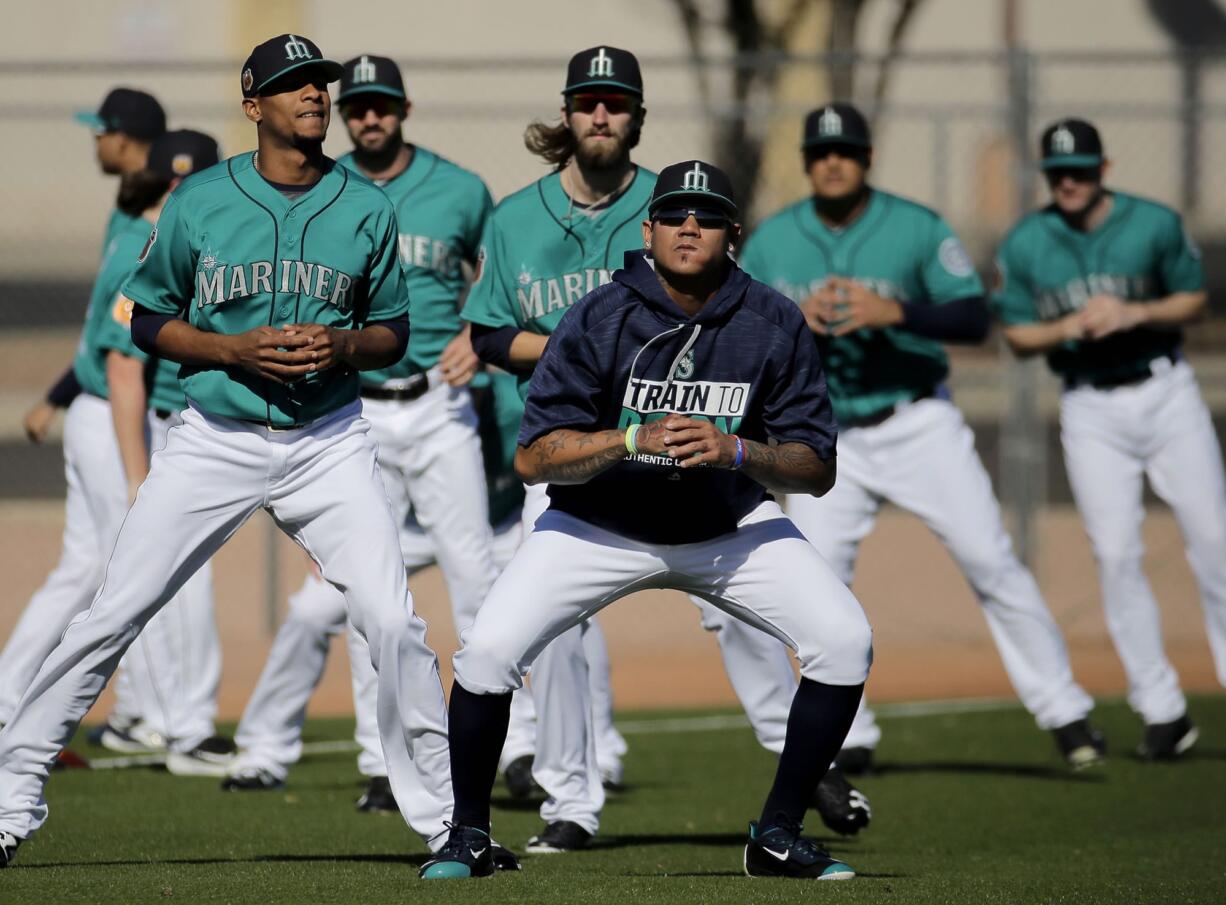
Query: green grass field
point(972, 807)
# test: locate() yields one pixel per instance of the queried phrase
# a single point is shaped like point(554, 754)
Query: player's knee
point(841, 653)
point(485, 664)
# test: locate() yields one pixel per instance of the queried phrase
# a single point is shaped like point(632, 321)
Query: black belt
point(1130, 378)
point(877, 417)
point(416, 387)
point(276, 427)
point(162, 414)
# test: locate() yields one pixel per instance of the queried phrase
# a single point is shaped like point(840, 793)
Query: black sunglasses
point(382, 104)
point(676, 216)
point(613, 103)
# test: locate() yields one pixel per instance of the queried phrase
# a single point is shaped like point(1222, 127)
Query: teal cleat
point(467, 853)
point(780, 851)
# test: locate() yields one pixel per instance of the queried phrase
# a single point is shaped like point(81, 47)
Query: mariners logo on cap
point(1062, 141)
point(248, 79)
point(601, 66)
point(695, 180)
point(364, 71)
point(830, 123)
point(297, 50)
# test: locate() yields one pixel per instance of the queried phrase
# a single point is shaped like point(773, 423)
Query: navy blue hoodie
point(626, 353)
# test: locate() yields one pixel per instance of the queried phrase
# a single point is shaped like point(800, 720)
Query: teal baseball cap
point(126, 110)
point(1071, 144)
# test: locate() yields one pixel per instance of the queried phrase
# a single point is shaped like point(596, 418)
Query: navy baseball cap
point(693, 183)
point(1072, 143)
point(609, 68)
point(369, 74)
point(836, 124)
point(181, 153)
point(277, 56)
point(129, 111)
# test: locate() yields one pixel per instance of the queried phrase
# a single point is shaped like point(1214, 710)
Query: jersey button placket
point(290, 238)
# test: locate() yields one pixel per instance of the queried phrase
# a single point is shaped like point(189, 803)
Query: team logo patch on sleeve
point(479, 267)
point(954, 259)
point(122, 310)
point(153, 237)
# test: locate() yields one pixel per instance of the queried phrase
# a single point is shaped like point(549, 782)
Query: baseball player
point(124, 125)
point(270, 733)
point(1101, 282)
point(546, 246)
point(666, 408)
point(420, 411)
point(883, 282)
point(273, 278)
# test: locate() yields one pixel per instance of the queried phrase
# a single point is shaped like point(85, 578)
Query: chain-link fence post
point(1023, 447)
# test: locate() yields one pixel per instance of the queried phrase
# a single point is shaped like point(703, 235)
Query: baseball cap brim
point(332, 69)
point(852, 140)
point(603, 83)
point(701, 199)
point(91, 119)
point(372, 89)
point(1072, 161)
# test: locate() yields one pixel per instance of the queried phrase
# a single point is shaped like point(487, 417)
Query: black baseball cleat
point(520, 784)
point(1080, 744)
point(8, 848)
point(855, 761)
point(504, 858)
point(252, 779)
point(1167, 741)
point(842, 807)
point(468, 852)
point(125, 735)
point(559, 836)
point(212, 757)
point(780, 851)
point(378, 797)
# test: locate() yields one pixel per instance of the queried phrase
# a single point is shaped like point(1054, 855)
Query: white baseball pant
point(319, 483)
point(1113, 439)
point(765, 574)
point(923, 459)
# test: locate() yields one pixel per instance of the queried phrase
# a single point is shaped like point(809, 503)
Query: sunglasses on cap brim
point(613, 103)
point(707, 218)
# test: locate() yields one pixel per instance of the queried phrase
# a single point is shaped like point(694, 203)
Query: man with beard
point(273, 278)
point(1102, 283)
point(545, 247)
point(883, 282)
point(420, 410)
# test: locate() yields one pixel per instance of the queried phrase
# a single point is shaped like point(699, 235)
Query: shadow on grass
point(407, 860)
point(1024, 771)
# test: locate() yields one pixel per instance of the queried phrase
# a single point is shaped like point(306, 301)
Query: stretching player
point(883, 282)
point(284, 266)
point(270, 733)
point(124, 125)
point(420, 411)
point(1102, 282)
point(644, 499)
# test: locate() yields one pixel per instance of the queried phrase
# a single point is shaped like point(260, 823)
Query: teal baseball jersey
point(231, 253)
point(901, 251)
point(114, 331)
point(1046, 270)
point(441, 209)
point(500, 411)
point(115, 224)
point(541, 253)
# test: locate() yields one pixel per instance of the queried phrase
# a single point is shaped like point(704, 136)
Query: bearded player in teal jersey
point(273, 278)
point(420, 410)
point(1102, 282)
point(883, 283)
point(544, 248)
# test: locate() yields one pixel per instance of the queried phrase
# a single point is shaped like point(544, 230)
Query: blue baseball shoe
point(467, 853)
point(780, 851)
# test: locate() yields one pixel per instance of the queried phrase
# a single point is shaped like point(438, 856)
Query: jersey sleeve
point(948, 273)
point(483, 206)
point(115, 329)
point(566, 385)
point(491, 302)
point(1180, 263)
point(752, 258)
point(388, 295)
point(165, 269)
point(797, 408)
point(1012, 298)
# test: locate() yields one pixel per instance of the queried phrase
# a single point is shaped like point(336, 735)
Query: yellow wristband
point(631, 433)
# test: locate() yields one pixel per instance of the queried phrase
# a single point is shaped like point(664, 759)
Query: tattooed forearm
point(569, 457)
point(788, 468)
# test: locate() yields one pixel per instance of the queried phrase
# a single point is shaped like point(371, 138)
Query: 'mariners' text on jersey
point(219, 283)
